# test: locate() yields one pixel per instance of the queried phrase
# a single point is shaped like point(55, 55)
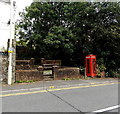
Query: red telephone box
point(90, 63)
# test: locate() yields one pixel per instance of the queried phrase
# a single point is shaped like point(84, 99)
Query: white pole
point(10, 43)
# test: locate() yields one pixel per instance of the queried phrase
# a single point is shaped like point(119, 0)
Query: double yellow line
point(67, 88)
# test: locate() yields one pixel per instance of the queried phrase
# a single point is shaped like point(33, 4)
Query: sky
point(5, 16)
point(21, 4)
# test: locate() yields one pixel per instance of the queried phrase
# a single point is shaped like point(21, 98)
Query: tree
point(59, 43)
point(73, 29)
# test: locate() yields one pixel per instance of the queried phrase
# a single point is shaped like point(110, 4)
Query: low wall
point(68, 72)
point(54, 62)
point(26, 70)
point(25, 64)
point(24, 75)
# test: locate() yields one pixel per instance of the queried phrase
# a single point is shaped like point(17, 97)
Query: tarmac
point(40, 85)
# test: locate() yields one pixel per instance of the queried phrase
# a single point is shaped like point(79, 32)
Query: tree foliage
point(70, 31)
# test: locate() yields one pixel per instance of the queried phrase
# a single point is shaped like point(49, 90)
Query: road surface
point(86, 98)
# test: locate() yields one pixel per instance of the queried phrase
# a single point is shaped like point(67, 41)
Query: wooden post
point(85, 73)
point(54, 68)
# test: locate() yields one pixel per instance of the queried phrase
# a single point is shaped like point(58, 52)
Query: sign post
point(10, 50)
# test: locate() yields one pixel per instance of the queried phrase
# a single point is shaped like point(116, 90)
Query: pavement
point(55, 84)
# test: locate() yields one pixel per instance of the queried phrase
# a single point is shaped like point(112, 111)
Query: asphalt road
point(87, 99)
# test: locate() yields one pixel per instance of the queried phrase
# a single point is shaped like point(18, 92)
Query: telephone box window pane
point(94, 65)
point(88, 66)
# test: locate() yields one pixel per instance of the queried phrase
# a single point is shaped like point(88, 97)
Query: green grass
point(25, 81)
point(71, 79)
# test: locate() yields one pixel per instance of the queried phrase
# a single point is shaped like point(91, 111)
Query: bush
point(113, 73)
point(100, 68)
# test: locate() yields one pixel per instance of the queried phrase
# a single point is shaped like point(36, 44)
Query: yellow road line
point(81, 87)
point(42, 91)
point(23, 93)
